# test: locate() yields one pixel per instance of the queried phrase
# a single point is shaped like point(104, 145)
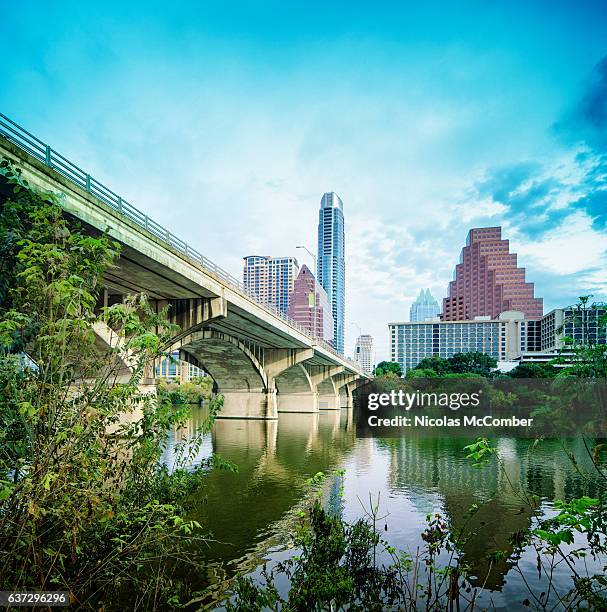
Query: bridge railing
point(46, 154)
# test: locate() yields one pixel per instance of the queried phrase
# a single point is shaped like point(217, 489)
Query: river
point(249, 513)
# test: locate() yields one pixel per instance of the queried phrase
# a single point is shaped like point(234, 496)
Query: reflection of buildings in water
point(363, 457)
point(500, 491)
point(553, 475)
point(436, 463)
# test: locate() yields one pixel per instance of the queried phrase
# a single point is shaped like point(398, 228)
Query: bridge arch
point(228, 360)
point(328, 394)
point(294, 380)
point(295, 391)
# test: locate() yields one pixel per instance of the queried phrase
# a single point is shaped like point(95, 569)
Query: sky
point(226, 122)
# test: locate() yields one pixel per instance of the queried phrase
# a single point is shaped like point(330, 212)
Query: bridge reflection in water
point(245, 511)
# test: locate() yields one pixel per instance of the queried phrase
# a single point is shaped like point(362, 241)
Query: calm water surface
point(249, 513)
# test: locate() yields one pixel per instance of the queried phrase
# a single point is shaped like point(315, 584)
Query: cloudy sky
point(226, 122)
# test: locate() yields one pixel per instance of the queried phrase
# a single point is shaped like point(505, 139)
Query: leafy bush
point(85, 505)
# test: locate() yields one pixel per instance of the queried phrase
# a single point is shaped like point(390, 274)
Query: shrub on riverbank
point(85, 506)
point(193, 392)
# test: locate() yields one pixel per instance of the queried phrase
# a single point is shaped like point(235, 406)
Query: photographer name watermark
point(423, 399)
point(469, 407)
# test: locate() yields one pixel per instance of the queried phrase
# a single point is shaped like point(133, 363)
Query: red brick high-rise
point(487, 280)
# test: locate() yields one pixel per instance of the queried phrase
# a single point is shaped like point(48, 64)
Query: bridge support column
point(329, 401)
point(298, 402)
point(343, 384)
point(346, 401)
point(249, 404)
point(322, 380)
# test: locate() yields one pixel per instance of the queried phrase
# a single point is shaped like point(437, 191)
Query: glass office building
point(331, 272)
point(424, 307)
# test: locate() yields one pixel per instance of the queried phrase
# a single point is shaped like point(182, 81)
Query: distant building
point(177, 369)
point(331, 266)
point(309, 306)
point(424, 307)
point(509, 338)
point(487, 280)
point(270, 279)
point(363, 352)
point(412, 342)
point(582, 326)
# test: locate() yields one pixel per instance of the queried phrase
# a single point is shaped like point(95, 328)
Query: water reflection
point(413, 475)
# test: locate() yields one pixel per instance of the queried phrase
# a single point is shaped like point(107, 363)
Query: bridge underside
point(261, 363)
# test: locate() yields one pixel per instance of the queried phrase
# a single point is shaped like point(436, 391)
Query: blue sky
point(227, 121)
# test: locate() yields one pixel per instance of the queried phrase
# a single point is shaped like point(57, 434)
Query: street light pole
point(314, 312)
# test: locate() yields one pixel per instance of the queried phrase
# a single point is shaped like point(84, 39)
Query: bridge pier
point(298, 402)
point(248, 404)
point(329, 401)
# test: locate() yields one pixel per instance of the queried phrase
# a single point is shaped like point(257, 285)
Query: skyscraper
point(363, 352)
point(309, 306)
point(331, 272)
point(270, 279)
point(424, 307)
point(487, 280)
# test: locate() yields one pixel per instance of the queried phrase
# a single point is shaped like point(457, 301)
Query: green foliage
point(85, 505)
point(385, 368)
point(478, 364)
point(193, 392)
point(480, 452)
point(342, 566)
point(436, 364)
point(533, 370)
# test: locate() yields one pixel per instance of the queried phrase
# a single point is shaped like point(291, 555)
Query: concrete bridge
point(262, 362)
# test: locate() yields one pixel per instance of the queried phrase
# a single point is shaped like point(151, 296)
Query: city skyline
point(228, 125)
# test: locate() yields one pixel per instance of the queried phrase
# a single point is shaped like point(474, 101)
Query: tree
point(472, 363)
point(533, 370)
point(437, 364)
point(421, 373)
point(81, 483)
point(384, 368)
point(460, 363)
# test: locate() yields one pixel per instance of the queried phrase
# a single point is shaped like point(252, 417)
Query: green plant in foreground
point(553, 538)
point(349, 566)
point(85, 505)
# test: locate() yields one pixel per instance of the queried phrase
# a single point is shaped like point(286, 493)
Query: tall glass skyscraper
point(331, 272)
point(424, 307)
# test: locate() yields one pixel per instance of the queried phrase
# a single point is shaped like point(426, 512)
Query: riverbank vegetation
point(85, 504)
point(194, 391)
